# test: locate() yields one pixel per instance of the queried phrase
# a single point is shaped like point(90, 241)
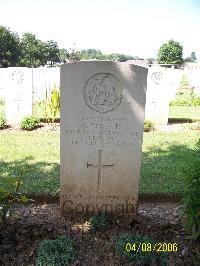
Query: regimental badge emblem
point(103, 92)
point(17, 77)
point(156, 77)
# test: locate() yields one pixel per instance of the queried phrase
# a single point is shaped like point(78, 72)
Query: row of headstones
point(102, 119)
point(23, 86)
point(20, 87)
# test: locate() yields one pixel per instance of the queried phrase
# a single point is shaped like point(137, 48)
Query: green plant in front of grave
point(139, 249)
point(9, 194)
point(29, 123)
point(56, 252)
point(149, 125)
point(54, 103)
point(2, 122)
point(191, 197)
point(50, 106)
point(99, 222)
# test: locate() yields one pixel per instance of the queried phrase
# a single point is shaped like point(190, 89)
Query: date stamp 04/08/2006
point(149, 247)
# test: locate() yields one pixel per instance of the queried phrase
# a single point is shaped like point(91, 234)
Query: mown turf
point(35, 157)
point(166, 160)
point(184, 112)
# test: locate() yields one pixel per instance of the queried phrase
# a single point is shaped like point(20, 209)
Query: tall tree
point(170, 53)
point(53, 52)
point(42, 53)
point(10, 49)
point(63, 55)
point(31, 50)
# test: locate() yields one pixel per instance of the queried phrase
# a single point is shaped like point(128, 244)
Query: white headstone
point(18, 100)
point(158, 95)
point(3, 83)
point(44, 80)
point(102, 116)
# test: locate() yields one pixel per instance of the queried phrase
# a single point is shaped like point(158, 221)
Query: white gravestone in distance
point(102, 117)
point(44, 80)
point(18, 100)
point(3, 83)
point(158, 95)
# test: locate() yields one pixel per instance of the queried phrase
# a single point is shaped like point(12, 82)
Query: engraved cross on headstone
point(99, 166)
point(154, 105)
point(18, 100)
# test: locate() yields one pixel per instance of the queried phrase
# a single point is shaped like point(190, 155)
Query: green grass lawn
point(166, 160)
point(183, 112)
point(175, 112)
point(35, 157)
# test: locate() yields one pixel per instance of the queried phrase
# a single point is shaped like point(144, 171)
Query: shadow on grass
point(164, 169)
point(163, 172)
point(37, 177)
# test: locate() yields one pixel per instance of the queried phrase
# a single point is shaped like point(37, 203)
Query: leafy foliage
point(54, 103)
point(170, 53)
point(185, 101)
point(185, 95)
point(37, 52)
point(63, 55)
point(137, 255)
point(2, 122)
point(52, 52)
point(51, 104)
point(29, 123)
point(99, 222)
point(149, 125)
point(88, 54)
point(8, 195)
point(34, 51)
point(191, 198)
point(56, 252)
point(10, 49)
point(120, 57)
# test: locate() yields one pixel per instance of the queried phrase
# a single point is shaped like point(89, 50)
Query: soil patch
point(35, 222)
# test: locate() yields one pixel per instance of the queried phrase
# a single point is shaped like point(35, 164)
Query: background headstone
point(45, 79)
point(18, 98)
point(194, 79)
point(3, 79)
point(102, 116)
point(158, 95)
